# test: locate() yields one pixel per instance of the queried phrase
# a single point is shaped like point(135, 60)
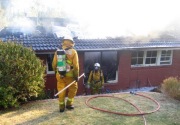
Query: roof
point(40, 44)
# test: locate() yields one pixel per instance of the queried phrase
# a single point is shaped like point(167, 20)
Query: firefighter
point(96, 80)
point(66, 66)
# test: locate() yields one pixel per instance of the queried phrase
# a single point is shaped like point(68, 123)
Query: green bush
point(171, 87)
point(7, 98)
point(21, 74)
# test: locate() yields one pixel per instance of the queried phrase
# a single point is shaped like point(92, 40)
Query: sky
point(113, 18)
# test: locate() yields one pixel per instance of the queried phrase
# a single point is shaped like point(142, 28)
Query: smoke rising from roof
point(106, 18)
point(124, 17)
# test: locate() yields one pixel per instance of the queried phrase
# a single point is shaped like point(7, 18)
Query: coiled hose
point(125, 114)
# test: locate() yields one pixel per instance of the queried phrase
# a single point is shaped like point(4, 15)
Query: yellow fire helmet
point(67, 42)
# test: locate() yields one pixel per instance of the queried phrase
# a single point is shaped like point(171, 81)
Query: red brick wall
point(147, 76)
point(81, 87)
point(127, 76)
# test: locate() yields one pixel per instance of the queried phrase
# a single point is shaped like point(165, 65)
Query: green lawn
point(46, 112)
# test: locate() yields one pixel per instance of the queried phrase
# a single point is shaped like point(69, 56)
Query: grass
point(46, 112)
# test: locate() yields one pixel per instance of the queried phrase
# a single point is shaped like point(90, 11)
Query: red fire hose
point(125, 114)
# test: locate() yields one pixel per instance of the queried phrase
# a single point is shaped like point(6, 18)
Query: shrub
point(7, 98)
point(21, 74)
point(171, 87)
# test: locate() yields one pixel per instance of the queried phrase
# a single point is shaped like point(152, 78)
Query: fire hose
point(68, 85)
point(125, 114)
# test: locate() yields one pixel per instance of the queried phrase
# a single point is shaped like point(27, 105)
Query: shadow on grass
point(42, 105)
point(41, 119)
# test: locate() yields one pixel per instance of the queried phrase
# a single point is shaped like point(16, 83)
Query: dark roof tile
point(50, 44)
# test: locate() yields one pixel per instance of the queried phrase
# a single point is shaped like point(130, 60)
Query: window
point(151, 58)
point(137, 58)
point(166, 56)
point(108, 62)
point(49, 63)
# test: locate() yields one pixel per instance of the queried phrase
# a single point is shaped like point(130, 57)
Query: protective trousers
point(96, 88)
point(71, 91)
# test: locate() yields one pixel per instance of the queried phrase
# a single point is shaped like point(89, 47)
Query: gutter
point(111, 49)
point(129, 48)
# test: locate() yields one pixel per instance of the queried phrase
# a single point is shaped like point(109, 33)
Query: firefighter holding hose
point(96, 80)
point(66, 66)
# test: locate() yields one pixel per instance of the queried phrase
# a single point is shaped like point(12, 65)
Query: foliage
point(7, 98)
point(171, 87)
point(21, 74)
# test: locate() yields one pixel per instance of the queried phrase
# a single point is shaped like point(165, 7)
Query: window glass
point(140, 61)
point(133, 61)
point(151, 57)
point(134, 54)
point(148, 54)
point(49, 62)
point(153, 53)
point(137, 58)
point(147, 58)
point(90, 58)
point(165, 57)
point(140, 54)
point(109, 65)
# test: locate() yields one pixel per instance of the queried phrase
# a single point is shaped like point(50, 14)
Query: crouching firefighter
point(96, 80)
point(66, 66)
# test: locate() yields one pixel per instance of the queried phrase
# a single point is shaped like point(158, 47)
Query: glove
point(76, 78)
point(87, 86)
point(102, 87)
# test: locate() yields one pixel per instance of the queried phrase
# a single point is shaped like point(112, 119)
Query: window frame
point(151, 57)
point(158, 58)
point(117, 63)
point(138, 57)
point(170, 56)
point(47, 67)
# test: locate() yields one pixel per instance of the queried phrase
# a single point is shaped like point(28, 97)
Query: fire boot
point(69, 104)
point(61, 107)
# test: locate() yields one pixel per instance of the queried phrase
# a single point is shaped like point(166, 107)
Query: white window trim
point(157, 59)
point(166, 61)
point(145, 56)
point(113, 81)
point(47, 71)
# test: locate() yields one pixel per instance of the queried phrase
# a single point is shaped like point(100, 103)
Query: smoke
point(115, 18)
point(141, 19)
point(26, 24)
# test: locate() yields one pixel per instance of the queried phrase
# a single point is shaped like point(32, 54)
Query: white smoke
point(123, 17)
point(104, 18)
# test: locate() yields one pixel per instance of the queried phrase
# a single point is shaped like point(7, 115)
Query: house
point(126, 64)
